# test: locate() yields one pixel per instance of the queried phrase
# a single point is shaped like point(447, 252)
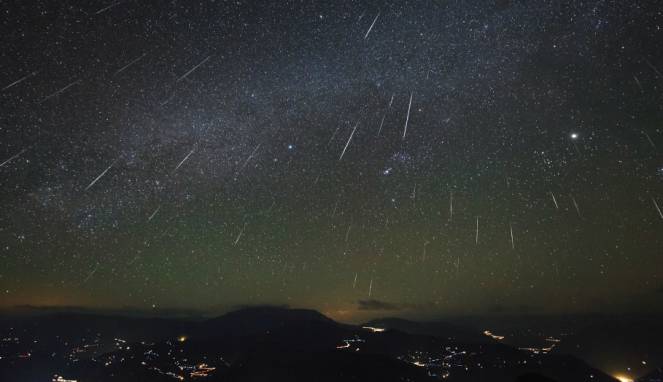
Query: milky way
point(439, 157)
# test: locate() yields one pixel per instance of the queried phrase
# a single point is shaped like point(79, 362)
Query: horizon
point(367, 316)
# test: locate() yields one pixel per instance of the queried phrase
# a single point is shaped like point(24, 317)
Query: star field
point(440, 157)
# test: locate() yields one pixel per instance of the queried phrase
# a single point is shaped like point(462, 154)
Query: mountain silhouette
point(267, 343)
point(442, 329)
point(260, 320)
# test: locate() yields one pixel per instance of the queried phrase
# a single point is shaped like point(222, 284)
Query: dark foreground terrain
point(270, 344)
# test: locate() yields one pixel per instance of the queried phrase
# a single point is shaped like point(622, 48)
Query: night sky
point(364, 159)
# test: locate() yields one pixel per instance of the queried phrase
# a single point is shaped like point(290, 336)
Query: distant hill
point(654, 376)
point(619, 342)
point(533, 377)
point(67, 325)
point(259, 320)
point(441, 329)
point(267, 343)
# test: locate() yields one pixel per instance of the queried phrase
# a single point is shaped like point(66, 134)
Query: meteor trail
point(513, 246)
point(333, 136)
point(554, 200)
point(476, 236)
point(653, 68)
point(248, 159)
point(122, 69)
point(153, 214)
point(414, 195)
point(102, 10)
point(348, 142)
point(575, 204)
point(19, 80)
point(649, 139)
point(239, 236)
point(657, 208)
point(13, 157)
point(637, 81)
point(59, 91)
point(381, 123)
point(100, 175)
point(407, 118)
point(371, 27)
point(193, 69)
point(185, 159)
point(451, 205)
point(89, 276)
point(334, 209)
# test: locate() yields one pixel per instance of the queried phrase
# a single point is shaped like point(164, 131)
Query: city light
point(493, 336)
point(373, 329)
point(623, 378)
